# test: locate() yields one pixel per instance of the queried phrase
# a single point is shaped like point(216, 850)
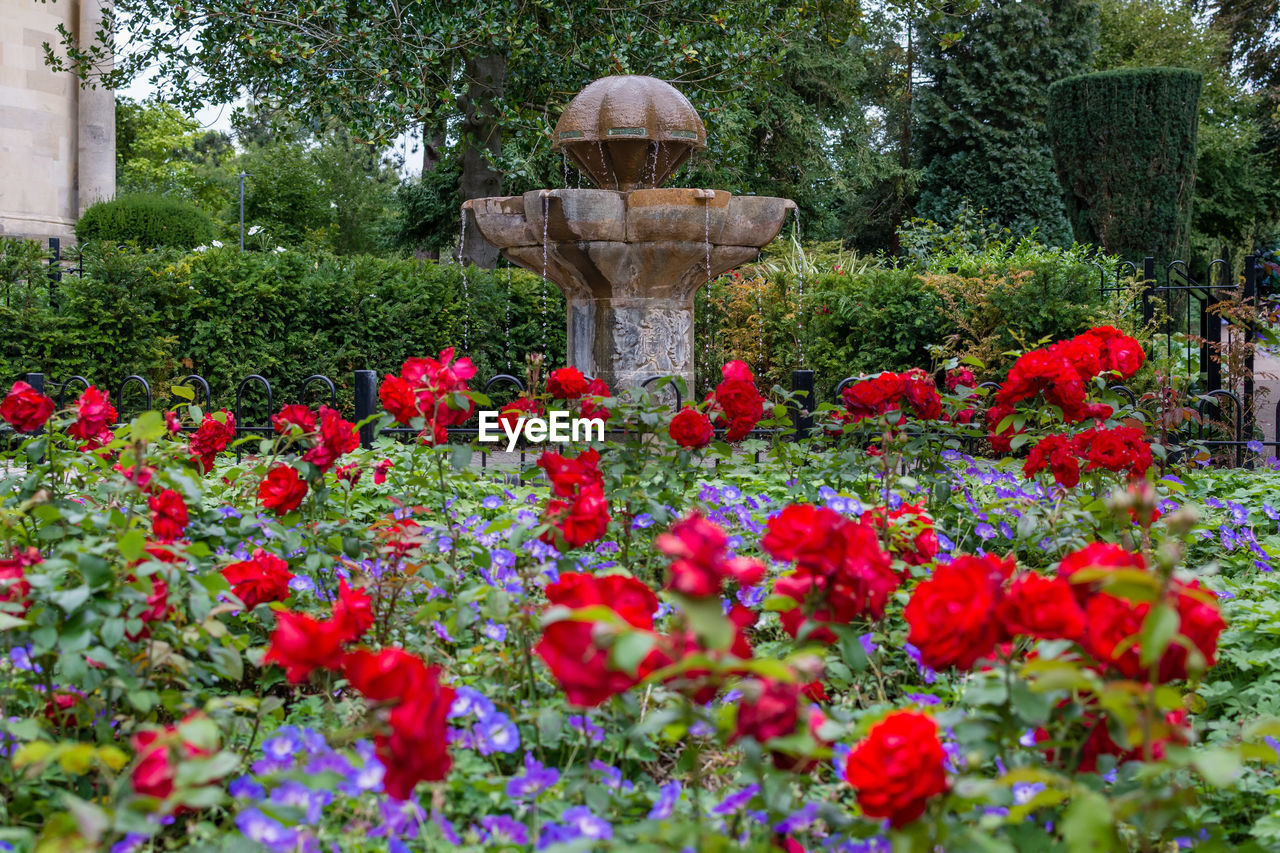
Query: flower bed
point(870, 640)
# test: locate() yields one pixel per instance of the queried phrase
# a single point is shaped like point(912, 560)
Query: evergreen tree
point(980, 120)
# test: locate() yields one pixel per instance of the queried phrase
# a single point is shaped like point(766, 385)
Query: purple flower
point(868, 647)
point(497, 733)
point(642, 521)
point(270, 833)
point(611, 776)
point(131, 843)
point(293, 793)
point(535, 779)
point(582, 723)
point(494, 631)
point(926, 673)
point(586, 825)
point(1255, 446)
point(491, 502)
point(798, 821)
point(246, 788)
point(734, 802)
point(668, 796)
point(985, 531)
point(446, 828)
point(504, 830)
point(944, 543)
point(468, 701)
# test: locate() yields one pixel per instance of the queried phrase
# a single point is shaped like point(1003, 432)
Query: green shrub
point(225, 314)
point(1125, 146)
point(150, 221)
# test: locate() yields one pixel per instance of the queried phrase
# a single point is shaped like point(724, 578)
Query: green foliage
point(425, 212)
point(161, 151)
point(226, 314)
point(1125, 145)
point(1235, 178)
point(150, 221)
point(981, 119)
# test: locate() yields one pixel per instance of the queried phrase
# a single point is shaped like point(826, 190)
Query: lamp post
point(242, 177)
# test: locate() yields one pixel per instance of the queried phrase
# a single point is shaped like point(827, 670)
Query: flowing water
point(506, 320)
point(799, 292)
point(653, 166)
point(466, 294)
point(706, 232)
point(546, 217)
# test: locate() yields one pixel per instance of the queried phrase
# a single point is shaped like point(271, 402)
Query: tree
point(981, 117)
point(481, 70)
point(1125, 145)
point(1236, 176)
point(160, 151)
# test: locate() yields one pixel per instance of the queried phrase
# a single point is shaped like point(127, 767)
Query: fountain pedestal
point(629, 260)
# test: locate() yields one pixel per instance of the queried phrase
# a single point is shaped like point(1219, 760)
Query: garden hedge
point(147, 220)
point(1125, 146)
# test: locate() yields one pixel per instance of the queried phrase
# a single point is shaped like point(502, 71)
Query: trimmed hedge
point(225, 314)
point(1125, 146)
point(147, 220)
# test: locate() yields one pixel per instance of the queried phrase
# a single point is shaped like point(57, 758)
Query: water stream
point(546, 218)
point(466, 293)
point(506, 320)
point(799, 292)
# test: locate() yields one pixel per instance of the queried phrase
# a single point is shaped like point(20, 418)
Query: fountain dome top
point(629, 132)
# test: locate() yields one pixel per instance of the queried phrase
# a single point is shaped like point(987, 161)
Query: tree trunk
point(481, 146)
point(432, 147)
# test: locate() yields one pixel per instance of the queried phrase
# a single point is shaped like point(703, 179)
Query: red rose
point(1096, 555)
point(294, 416)
point(398, 399)
point(13, 578)
point(566, 383)
point(60, 710)
point(25, 408)
point(591, 410)
point(922, 394)
point(1120, 449)
point(911, 535)
point(263, 577)
point(898, 767)
point(691, 428)
point(168, 515)
point(699, 567)
point(159, 754)
point(211, 438)
point(1057, 453)
point(515, 411)
point(282, 490)
point(352, 612)
point(841, 573)
point(1118, 351)
point(1114, 625)
point(94, 416)
point(302, 645)
point(878, 395)
point(157, 604)
point(1000, 438)
point(380, 471)
point(569, 475)
point(961, 377)
point(172, 422)
point(736, 401)
point(1037, 606)
point(336, 437)
point(700, 683)
point(570, 648)
point(951, 613)
point(350, 473)
point(768, 709)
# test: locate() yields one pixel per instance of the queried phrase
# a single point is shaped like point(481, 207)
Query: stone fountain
point(629, 256)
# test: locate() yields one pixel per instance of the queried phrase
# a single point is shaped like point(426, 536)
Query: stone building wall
point(57, 141)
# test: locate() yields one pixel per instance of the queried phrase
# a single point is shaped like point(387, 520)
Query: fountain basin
point(629, 265)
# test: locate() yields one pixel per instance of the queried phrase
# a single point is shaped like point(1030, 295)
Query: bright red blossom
point(1041, 607)
point(566, 383)
point(951, 613)
point(735, 402)
point(282, 490)
point(168, 515)
point(211, 438)
point(691, 428)
point(294, 415)
point(700, 565)
point(24, 408)
point(94, 416)
point(262, 578)
point(13, 578)
point(570, 648)
point(336, 437)
point(898, 767)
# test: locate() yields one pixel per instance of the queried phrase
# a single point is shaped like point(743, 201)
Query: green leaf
point(148, 426)
point(851, 651)
point(1158, 630)
point(630, 649)
point(183, 391)
point(1088, 823)
point(1219, 767)
point(72, 599)
point(707, 619)
point(133, 545)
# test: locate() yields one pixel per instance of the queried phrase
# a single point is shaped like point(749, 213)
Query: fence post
point(1250, 334)
point(802, 410)
point(366, 387)
point(1148, 281)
